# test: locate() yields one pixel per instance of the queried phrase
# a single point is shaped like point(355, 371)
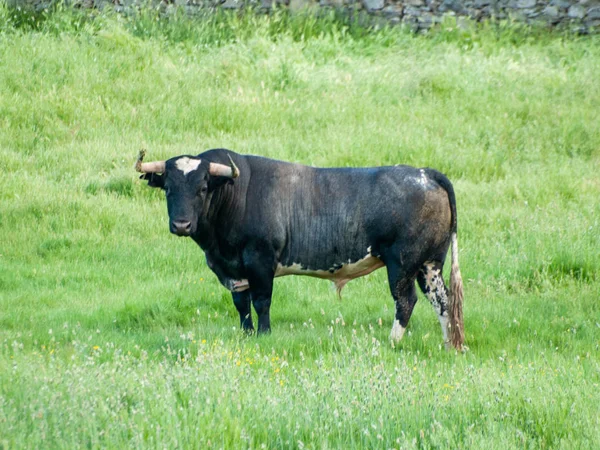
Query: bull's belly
point(340, 274)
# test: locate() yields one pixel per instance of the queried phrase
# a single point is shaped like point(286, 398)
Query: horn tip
point(138, 163)
point(235, 172)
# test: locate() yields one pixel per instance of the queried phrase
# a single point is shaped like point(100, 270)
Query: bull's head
point(188, 182)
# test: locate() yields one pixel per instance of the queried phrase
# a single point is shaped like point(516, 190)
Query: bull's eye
point(203, 189)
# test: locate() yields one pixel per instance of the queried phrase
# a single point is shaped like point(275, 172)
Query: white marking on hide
point(187, 165)
point(444, 323)
point(423, 180)
point(341, 276)
point(438, 297)
point(397, 332)
point(294, 269)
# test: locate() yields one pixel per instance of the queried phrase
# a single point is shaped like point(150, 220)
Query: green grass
point(114, 333)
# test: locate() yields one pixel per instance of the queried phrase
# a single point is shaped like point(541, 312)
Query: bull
point(257, 219)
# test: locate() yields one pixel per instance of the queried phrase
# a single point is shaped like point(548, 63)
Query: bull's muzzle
point(181, 227)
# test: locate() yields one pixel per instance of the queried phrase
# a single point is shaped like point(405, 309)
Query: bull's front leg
point(259, 266)
point(241, 300)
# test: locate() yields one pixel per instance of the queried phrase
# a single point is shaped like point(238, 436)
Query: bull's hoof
point(397, 333)
point(462, 349)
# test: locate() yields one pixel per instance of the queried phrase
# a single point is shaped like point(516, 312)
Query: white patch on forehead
point(187, 165)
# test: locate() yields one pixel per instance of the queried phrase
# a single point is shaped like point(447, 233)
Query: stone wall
point(579, 15)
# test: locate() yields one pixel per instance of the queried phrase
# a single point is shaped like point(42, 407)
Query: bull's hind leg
point(432, 284)
point(405, 297)
point(402, 287)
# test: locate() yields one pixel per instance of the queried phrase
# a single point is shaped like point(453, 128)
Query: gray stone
point(526, 3)
point(475, 14)
point(560, 3)
point(481, 3)
point(531, 12)
point(411, 22)
point(425, 22)
point(550, 11)
point(296, 5)
point(429, 19)
point(414, 2)
point(373, 5)
point(392, 11)
point(576, 12)
point(231, 4)
point(451, 5)
point(412, 11)
point(593, 13)
point(593, 23)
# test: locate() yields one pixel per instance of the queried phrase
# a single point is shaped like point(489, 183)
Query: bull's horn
point(151, 167)
point(221, 170)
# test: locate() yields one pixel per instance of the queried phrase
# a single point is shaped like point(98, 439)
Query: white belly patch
point(340, 275)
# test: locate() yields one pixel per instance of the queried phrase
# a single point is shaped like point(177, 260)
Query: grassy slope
point(114, 333)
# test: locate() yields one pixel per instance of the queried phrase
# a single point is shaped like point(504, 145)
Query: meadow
point(115, 334)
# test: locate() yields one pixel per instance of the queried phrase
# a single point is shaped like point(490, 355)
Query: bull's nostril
point(181, 227)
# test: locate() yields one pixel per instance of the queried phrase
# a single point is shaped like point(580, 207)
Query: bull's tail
point(456, 329)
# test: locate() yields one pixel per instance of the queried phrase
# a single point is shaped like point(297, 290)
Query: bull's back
point(324, 221)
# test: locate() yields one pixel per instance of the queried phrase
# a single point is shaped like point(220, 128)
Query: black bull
point(258, 218)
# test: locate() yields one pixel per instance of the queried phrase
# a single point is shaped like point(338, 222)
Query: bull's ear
point(216, 182)
point(155, 180)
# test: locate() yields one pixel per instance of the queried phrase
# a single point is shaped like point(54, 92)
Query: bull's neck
point(216, 222)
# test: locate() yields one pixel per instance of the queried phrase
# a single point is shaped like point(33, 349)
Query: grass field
point(114, 333)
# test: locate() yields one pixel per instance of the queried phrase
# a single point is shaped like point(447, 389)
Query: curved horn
point(221, 170)
point(151, 167)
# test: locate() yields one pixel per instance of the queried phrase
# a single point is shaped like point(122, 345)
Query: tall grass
point(113, 333)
